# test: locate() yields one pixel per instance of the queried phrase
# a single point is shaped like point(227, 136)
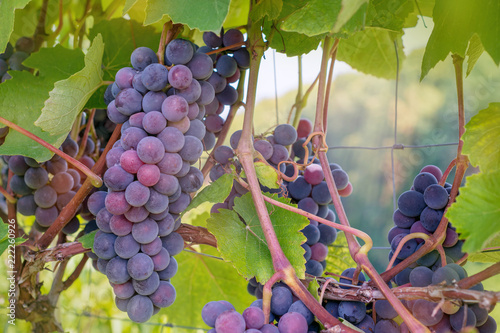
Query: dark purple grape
point(179, 51)
point(353, 312)
point(126, 246)
point(228, 96)
point(140, 308)
point(349, 273)
point(138, 85)
point(173, 243)
point(213, 41)
point(226, 66)
point(155, 77)
point(36, 178)
point(154, 122)
point(104, 245)
point(175, 108)
point(423, 312)
point(411, 203)
point(207, 93)
point(423, 180)
point(118, 224)
point(192, 150)
point(385, 310)
point(124, 77)
point(117, 179)
point(147, 286)
point(436, 196)
point(285, 134)
point(457, 319)
point(116, 270)
point(131, 137)
point(170, 271)
point(328, 234)
point(116, 203)
point(180, 77)
point(430, 218)
point(72, 226)
point(46, 216)
point(153, 100)
point(128, 101)
point(231, 37)
point(164, 296)
point(218, 82)
point(191, 93)
point(292, 322)
point(150, 150)
point(201, 65)
point(140, 266)
point(171, 164)
point(142, 57)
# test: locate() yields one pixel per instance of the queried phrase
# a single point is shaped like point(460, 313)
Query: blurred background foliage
point(361, 113)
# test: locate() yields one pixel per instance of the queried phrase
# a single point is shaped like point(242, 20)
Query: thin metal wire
point(393, 169)
point(203, 254)
point(275, 89)
point(399, 146)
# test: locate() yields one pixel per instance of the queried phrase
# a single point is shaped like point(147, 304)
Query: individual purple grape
point(226, 66)
point(26, 205)
point(319, 252)
point(420, 276)
point(223, 154)
point(148, 174)
point(230, 322)
point(112, 158)
point(124, 77)
point(353, 312)
point(46, 216)
point(130, 162)
point(141, 57)
point(128, 101)
point(118, 224)
point(104, 245)
point(242, 57)
point(167, 184)
point(171, 164)
point(292, 322)
point(424, 311)
point(150, 150)
point(152, 248)
point(231, 37)
point(300, 307)
point(36, 178)
point(140, 266)
point(18, 185)
point(175, 108)
point(161, 260)
point(114, 115)
point(116, 270)
point(285, 134)
point(191, 93)
point(193, 181)
point(117, 179)
point(126, 246)
point(218, 82)
point(179, 51)
point(411, 203)
point(138, 85)
point(145, 232)
point(173, 243)
point(154, 122)
point(155, 77)
point(194, 111)
point(201, 65)
point(72, 226)
point(196, 129)
point(208, 141)
point(213, 41)
point(147, 286)
point(228, 96)
point(164, 296)
point(308, 205)
point(180, 77)
point(349, 274)
point(254, 317)
point(423, 180)
point(137, 194)
point(207, 93)
point(214, 123)
point(436, 196)
point(170, 271)
point(179, 205)
point(192, 150)
point(153, 100)
point(157, 202)
point(123, 290)
point(430, 218)
point(385, 310)
point(45, 197)
point(165, 225)
point(140, 309)
point(17, 165)
point(131, 137)
point(116, 203)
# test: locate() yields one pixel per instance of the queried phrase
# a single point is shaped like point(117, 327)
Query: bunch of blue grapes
point(12, 58)
point(420, 210)
point(288, 315)
point(44, 189)
point(228, 65)
point(150, 173)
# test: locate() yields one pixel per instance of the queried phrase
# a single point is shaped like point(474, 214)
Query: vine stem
point(481, 276)
point(402, 243)
point(70, 209)
point(10, 198)
point(76, 273)
point(245, 154)
point(222, 49)
point(83, 143)
point(95, 179)
point(360, 257)
point(39, 34)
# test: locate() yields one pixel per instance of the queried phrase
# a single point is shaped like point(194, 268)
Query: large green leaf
point(202, 279)
point(372, 51)
point(69, 96)
point(290, 43)
point(476, 211)
point(482, 138)
point(316, 17)
point(244, 243)
point(197, 14)
point(455, 22)
point(23, 97)
point(7, 11)
point(238, 13)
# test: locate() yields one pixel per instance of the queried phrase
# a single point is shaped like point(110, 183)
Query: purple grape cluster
point(420, 210)
point(288, 315)
point(13, 57)
point(44, 189)
point(150, 174)
point(228, 66)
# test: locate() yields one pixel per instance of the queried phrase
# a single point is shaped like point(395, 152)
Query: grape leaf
point(347, 11)
point(290, 43)
point(28, 93)
point(87, 240)
point(476, 213)
point(314, 18)
point(238, 13)
point(202, 279)
point(372, 51)
point(7, 12)
point(474, 51)
point(269, 8)
point(216, 192)
point(69, 96)
point(339, 258)
point(244, 243)
point(481, 138)
point(455, 22)
point(389, 15)
point(128, 4)
point(267, 175)
point(487, 255)
point(199, 14)
point(313, 287)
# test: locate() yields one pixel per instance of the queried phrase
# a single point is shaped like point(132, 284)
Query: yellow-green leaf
point(267, 175)
point(69, 96)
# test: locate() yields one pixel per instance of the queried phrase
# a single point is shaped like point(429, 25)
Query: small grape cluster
point(44, 189)
point(288, 315)
point(12, 58)
point(228, 66)
point(150, 174)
